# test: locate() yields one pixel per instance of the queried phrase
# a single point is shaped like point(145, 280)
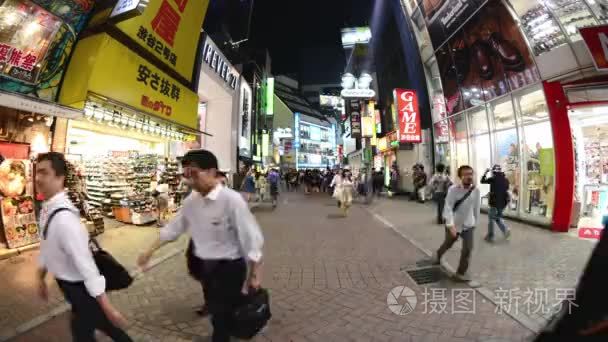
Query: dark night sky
point(304, 36)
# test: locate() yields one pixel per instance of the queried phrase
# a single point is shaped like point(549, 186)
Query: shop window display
point(539, 25)
point(572, 14)
point(539, 165)
point(506, 144)
point(590, 133)
point(460, 142)
point(600, 8)
point(481, 154)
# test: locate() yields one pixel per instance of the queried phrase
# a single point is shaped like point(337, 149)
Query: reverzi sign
point(219, 64)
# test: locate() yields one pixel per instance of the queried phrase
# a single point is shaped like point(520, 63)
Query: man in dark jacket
point(499, 198)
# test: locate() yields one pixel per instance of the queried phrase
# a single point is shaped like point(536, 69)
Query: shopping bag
point(117, 276)
point(252, 315)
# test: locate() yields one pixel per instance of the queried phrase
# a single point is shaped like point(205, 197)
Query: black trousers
point(440, 199)
point(87, 315)
point(222, 281)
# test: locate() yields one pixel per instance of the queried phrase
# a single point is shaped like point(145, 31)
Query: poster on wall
point(19, 220)
point(35, 44)
point(487, 58)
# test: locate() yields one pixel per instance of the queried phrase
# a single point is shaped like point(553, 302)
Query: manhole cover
point(427, 275)
point(424, 263)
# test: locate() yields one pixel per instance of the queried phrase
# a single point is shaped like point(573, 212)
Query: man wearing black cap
point(226, 237)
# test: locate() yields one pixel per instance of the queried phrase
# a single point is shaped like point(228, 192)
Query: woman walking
point(248, 185)
point(348, 188)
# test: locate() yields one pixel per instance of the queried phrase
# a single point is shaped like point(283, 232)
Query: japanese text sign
point(596, 39)
point(169, 29)
point(409, 116)
point(354, 107)
point(139, 84)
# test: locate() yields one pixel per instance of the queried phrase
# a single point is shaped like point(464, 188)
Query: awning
point(34, 105)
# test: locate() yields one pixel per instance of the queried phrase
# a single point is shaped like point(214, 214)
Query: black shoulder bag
point(117, 276)
point(464, 198)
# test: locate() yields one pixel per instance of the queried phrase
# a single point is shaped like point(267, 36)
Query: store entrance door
point(590, 133)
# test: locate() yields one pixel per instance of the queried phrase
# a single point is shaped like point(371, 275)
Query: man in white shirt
point(226, 236)
point(461, 213)
point(64, 251)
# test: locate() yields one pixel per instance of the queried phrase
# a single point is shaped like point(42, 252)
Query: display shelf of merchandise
point(542, 30)
point(169, 174)
point(573, 14)
point(92, 217)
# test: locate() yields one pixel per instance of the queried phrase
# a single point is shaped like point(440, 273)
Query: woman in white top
point(344, 191)
point(336, 183)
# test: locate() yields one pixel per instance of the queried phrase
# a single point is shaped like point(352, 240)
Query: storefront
point(35, 39)
point(506, 95)
point(137, 122)
point(219, 91)
point(315, 143)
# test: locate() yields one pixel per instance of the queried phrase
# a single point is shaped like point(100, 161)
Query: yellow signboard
point(169, 29)
point(104, 66)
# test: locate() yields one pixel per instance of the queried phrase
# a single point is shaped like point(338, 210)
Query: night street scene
point(292, 171)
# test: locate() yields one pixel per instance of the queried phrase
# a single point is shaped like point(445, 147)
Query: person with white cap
point(227, 240)
point(498, 201)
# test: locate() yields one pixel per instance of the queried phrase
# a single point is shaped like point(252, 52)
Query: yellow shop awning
point(103, 66)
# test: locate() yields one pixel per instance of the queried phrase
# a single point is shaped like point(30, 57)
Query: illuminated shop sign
point(219, 64)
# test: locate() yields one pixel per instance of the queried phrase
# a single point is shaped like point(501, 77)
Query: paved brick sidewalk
point(19, 302)
point(534, 258)
point(329, 279)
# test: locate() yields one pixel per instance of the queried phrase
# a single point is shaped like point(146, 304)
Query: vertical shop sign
point(409, 116)
point(269, 94)
point(245, 121)
point(297, 136)
point(354, 107)
point(596, 40)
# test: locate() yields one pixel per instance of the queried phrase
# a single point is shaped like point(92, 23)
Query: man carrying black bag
point(64, 251)
point(227, 240)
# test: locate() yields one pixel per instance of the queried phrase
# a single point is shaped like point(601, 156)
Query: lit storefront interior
point(315, 145)
point(507, 108)
point(589, 124)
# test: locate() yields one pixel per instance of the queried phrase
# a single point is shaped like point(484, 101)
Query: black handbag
point(117, 276)
point(253, 315)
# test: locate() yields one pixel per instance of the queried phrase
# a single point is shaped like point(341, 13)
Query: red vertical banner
point(409, 116)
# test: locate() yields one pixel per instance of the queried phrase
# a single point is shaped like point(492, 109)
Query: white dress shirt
point(221, 226)
point(467, 214)
point(65, 252)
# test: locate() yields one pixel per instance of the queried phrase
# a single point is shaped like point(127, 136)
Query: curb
point(9, 253)
point(522, 319)
point(64, 307)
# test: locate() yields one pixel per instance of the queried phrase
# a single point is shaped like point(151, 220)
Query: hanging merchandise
point(75, 183)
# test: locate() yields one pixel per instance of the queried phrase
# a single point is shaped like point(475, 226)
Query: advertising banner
point(36, 40)
point(354, 113)
point(409, 116)
point(245, 120)
point(487, 58)
point(596, 40)
point(19, 220)
point(444, 17)
point(169, 29)
point(139, 84)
